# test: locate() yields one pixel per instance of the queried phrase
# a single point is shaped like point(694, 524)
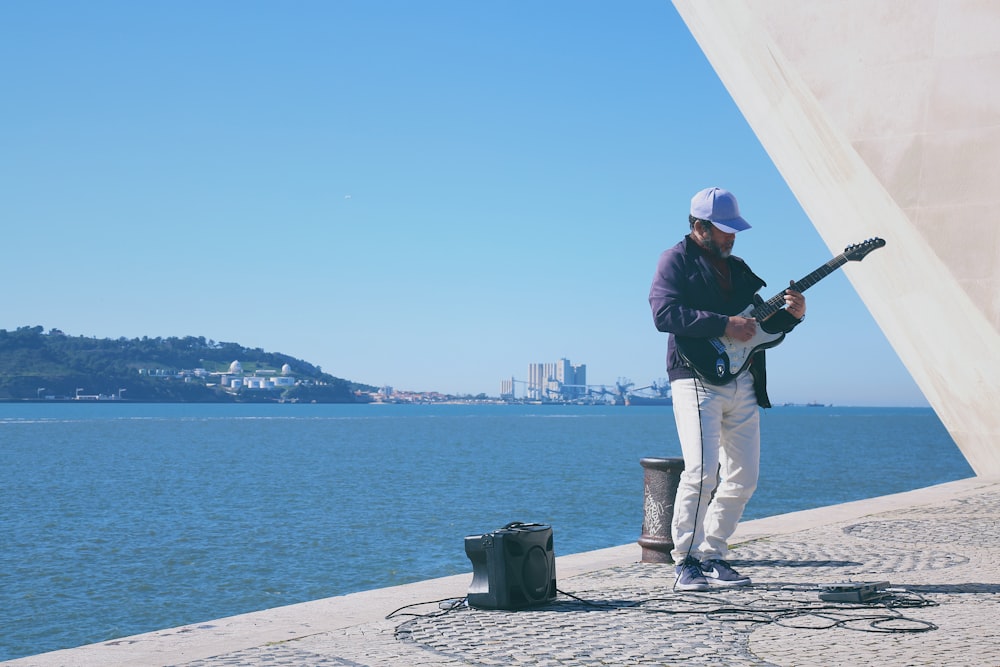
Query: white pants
point(719, 430)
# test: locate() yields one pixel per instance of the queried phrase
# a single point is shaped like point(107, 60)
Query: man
point(699, 291)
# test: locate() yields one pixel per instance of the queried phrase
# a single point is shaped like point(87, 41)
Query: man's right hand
point(741, 328)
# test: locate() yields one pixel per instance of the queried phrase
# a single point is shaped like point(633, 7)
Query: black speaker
point(513, 567)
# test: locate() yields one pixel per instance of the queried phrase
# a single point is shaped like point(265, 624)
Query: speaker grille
point(513, 567)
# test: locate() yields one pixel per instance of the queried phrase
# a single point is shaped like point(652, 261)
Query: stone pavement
point(938, 549)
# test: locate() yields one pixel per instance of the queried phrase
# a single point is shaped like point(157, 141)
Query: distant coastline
point(51, 366)
point(38, 366)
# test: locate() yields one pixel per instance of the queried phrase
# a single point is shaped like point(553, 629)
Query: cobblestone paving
point(948, 556)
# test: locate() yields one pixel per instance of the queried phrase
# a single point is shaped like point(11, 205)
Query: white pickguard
point(738, 351)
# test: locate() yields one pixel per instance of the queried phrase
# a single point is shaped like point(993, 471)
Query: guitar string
point(776, 302)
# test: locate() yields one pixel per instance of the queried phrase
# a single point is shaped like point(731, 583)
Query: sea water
point(125, 518)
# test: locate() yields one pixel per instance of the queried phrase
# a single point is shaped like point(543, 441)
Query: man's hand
point(741, 328)
point(795, 303)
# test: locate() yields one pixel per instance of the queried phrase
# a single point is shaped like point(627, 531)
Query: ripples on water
point(121, 519)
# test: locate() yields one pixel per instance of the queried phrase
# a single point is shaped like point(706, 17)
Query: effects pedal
point(853, 591)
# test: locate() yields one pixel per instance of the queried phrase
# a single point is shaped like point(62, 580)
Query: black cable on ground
point(823, 616)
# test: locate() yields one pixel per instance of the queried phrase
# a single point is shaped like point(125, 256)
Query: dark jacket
point(686, 299)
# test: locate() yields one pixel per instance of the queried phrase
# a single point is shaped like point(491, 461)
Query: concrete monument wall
point(883, 116)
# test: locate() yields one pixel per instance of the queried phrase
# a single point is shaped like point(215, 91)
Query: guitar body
point(719, 360)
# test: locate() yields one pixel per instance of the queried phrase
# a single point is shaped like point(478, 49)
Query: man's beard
point(717, 249)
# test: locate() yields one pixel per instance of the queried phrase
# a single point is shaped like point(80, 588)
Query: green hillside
point(35, 364)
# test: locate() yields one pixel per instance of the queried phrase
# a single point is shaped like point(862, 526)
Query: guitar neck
point(777, 302)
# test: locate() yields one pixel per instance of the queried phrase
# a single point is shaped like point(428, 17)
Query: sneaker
point(721, 573)
point(690, 576)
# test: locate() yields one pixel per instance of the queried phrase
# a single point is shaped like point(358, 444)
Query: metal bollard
point(661, 478)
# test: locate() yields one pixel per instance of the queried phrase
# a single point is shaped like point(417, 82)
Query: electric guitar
point(719, 360)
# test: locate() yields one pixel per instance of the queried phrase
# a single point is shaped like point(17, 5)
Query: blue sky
point(430, 195)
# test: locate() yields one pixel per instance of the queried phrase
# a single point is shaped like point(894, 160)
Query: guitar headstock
point(859, 251)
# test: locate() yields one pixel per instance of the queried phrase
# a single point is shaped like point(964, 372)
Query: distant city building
point(261, 379)
point(552, 381)
point(572, 380)
point(507, 388)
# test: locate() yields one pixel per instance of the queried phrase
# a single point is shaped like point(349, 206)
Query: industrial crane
point(661, 387)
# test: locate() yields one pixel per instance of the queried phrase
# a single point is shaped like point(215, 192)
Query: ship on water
point(657, 393)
